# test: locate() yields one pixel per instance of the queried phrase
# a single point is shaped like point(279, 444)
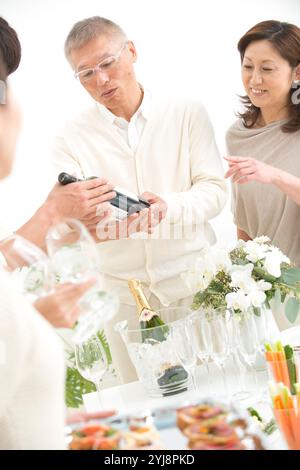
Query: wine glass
point(75, 258)
point(91, 361)
point(219, 345)
point(28, 266)
point(201, 339)
point(184, 348)
point(247, 342)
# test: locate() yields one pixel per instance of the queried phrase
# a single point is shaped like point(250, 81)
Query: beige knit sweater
point(262, 209)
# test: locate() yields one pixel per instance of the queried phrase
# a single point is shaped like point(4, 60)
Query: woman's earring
point(295, 83)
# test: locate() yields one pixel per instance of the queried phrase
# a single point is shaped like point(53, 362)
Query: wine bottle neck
point(138, 295)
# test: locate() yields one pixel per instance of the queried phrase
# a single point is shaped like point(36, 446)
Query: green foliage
point(292, 309)
point(103, 340)
point(270, 427)
point(76, 385)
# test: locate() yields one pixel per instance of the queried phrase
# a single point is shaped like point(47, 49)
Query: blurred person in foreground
point(32, 410)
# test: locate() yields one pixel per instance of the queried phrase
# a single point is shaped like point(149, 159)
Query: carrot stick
point(283, 419)
point(278, 403)
point(269, 356)
point(295, 422)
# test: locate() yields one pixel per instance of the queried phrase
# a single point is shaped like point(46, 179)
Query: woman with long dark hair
point(264, 144)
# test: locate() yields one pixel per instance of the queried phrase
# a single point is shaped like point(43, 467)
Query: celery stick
point(278, 346)
point(289, 355)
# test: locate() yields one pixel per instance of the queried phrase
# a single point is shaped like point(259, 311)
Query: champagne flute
point(184, 348)
point(201, 339)
point(91, 361)
point(75, 258)
point(219, 342)
point(247, 343)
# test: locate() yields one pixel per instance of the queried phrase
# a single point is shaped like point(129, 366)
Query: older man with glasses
point(159, 148)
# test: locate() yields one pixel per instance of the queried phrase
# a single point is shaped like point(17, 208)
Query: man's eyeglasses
point(104, 66)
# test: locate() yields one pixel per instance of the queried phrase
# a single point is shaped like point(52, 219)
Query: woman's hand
point(80, 416)
point(245, 169)
point(61, 309)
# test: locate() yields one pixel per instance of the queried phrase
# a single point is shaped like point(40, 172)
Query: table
point(132, 398)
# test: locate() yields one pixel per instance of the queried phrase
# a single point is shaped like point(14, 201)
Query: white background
point(186, 47)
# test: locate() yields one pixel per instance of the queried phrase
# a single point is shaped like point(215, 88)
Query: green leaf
point(103, 340)
point(76, 386)
point(292, 309)
point(256, 311)
point(255, 413)
point(270, 427)
point(262, 274)
point(291, 276)
point(199, 299)
point(283, 297)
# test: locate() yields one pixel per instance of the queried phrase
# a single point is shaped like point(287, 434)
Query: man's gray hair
point(90, 28)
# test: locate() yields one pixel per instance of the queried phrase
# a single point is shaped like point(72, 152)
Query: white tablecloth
point(132, 398)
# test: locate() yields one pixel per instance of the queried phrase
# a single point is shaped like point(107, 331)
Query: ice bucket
point(154, 355)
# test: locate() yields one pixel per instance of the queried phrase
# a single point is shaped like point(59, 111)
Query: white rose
point(238, 300)
point(257, 297)
point(273, 261)
point(221, 260)
point(241, 276)
point(255, 251)
point(262, 239)
point(263, 285)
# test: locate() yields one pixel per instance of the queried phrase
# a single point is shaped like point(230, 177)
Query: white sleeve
point(16, 341)
point(62, 158)
point(208, 193)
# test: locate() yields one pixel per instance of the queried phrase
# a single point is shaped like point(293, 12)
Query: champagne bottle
point(148, 318)
point(172, 375)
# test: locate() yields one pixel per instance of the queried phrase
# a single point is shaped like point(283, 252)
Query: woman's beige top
point(262, 209)
point(32, 410)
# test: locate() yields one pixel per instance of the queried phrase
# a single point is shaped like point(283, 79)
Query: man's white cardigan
point(176, 158)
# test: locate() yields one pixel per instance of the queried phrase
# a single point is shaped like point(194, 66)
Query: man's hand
point(61, 309)
point(158, 209)
point(80, 200)
point(144, 221)
point(81, 416)
point(107, 229)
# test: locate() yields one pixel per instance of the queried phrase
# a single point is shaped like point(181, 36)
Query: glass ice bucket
point(154, 354)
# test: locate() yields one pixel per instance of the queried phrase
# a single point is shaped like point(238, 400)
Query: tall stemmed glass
point(201, 339)
point(75, 258)
point(28, 266)
point(247, 340)
point(219, 341)
point(184, 347)
point(91, 361)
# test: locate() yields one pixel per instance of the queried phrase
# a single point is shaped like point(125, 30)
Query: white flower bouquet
point(248, 276)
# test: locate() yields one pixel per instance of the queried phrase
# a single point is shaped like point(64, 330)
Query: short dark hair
point(285, 38)
point(10, 49)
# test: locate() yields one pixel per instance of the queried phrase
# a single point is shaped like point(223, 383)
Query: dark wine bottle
point(173, 375)
point(148, 318)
